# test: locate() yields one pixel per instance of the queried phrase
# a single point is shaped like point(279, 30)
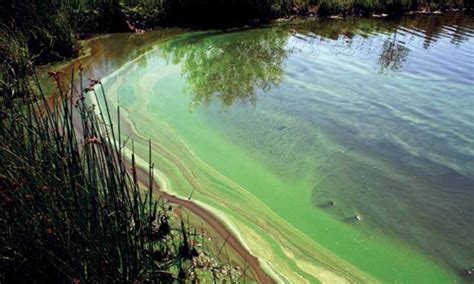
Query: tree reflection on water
point(229, 67)
point(393, 55)
point(226, 67)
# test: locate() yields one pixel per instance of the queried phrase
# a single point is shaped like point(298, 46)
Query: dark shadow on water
point(326, 205)
point(228, 66)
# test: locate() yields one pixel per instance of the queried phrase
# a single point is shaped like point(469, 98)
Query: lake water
point(336, 149)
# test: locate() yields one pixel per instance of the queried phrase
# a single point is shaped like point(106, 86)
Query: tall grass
point(70, 210)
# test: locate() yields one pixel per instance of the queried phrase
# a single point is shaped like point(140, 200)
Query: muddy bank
point(217, 225)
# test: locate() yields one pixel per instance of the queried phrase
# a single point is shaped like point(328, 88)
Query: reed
point(72, 207)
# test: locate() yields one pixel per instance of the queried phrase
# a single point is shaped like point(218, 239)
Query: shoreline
point(212, 221)
point(206, 216)
point(207, 212)
point(217, 225)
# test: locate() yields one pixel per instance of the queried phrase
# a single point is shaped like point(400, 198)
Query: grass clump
point(71, 209)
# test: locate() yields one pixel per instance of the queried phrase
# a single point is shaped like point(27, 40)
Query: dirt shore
point(217, 225)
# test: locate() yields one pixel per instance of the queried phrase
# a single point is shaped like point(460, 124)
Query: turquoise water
point(355, 135)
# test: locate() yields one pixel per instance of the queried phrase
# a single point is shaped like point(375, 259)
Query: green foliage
point(14, 64)
point(336, 6)
point(223, 12)
point(92, 17)
point(43, 25)
point(366, 7)
point(31, 33)
point(143, 14)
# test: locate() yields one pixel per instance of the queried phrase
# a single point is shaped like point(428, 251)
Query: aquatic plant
point(72, 208)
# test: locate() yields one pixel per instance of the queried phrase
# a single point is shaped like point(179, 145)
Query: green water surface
point(336, 149)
